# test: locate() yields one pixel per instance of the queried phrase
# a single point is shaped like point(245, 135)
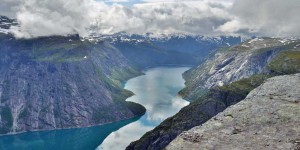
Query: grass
point(245, 85)
point(287, 62)
point(60, 51)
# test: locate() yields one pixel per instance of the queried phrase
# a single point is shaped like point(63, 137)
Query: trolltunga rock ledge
point(269, 118)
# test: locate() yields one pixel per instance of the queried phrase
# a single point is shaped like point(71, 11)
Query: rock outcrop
point(269, 118)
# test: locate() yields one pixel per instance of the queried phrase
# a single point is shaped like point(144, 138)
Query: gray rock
point(269, 118)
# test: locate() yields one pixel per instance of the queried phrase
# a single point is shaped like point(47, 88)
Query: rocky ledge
point(268, 118)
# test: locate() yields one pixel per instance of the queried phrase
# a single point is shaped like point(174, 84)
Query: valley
point(149, 75)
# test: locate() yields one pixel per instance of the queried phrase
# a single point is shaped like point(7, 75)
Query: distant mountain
point(149, 51)
point(223, 79)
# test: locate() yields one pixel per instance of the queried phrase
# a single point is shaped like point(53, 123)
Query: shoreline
point(59, 129)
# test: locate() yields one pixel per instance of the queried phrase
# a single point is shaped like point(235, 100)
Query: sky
point(36, 18)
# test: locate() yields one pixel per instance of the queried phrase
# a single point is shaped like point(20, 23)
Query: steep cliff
point(62, 82)
point(209, 97)
point(267, 119)
point(242, 61)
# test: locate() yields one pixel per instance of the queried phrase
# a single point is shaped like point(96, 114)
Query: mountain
point(259, 55)
point(148, 51)
point(224, 79)
point(62, 82)
point(67, 82)
point(267, 119)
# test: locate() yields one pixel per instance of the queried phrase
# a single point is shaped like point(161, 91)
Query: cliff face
point(267, 119)
point(62, 82)
point(252, 57)
point(228, 83)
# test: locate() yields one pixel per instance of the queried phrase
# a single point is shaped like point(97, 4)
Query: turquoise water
point(156, 90)
point(69, 139)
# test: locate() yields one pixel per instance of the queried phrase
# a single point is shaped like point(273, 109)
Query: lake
point(156, 90)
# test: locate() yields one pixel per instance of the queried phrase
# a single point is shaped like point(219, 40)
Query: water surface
point(68, 139)
point(157, 91)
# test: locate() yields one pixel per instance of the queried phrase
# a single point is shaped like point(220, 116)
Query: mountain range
point(61, 82)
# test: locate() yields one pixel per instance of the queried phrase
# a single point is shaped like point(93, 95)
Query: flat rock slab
point(269, 118)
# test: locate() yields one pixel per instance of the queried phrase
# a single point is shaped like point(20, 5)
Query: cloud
point(264, 18)
point(117, 1)
point(9, 7)
point(163, 18)
point(269, 17)
point(54, 17)
point(204, 17)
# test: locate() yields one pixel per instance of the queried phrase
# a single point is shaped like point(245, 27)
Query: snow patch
point(5, 31)
point(255, 40)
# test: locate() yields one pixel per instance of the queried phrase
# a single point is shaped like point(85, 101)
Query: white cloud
point(54, 17)
point(9, 7)
point(204, 17)
point(180, 17)
point(268, 17)
point(116, 1)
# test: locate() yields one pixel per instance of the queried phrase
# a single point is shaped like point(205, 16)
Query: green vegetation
point(60, 51)
point(135, 108)
point(100, 115)
point(23, 113)
point(118, 75)
point(245, 85)
point(287, 62)
point(7, 119)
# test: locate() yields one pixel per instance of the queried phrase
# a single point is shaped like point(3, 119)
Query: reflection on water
point(157, 91)
point(70, 139)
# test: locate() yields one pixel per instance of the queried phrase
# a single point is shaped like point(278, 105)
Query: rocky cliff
point(256, 56)
point(62, 82)
point(269, 118)
point(228, 83)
